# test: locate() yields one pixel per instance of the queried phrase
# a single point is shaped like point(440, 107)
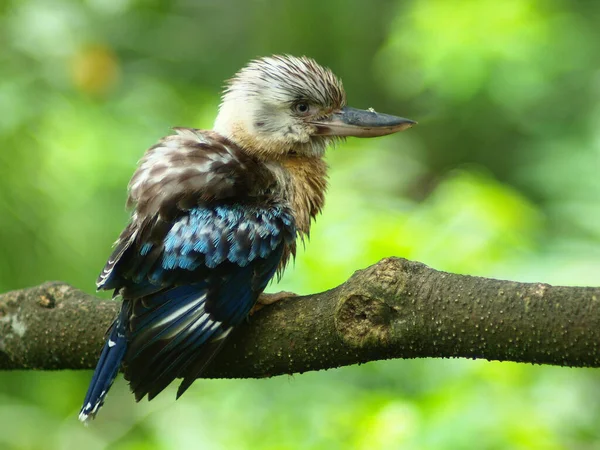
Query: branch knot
point(364, 321)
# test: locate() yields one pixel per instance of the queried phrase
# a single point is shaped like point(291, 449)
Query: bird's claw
point(269, 299)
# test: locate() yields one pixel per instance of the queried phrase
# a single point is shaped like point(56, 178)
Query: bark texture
point(393, 309)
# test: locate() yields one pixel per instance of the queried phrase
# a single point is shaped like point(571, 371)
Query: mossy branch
point(393, 309)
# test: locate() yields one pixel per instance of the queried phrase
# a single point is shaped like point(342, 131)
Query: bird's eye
point(301, 108)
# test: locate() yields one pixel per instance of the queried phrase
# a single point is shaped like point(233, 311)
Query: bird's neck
point(298, 166)
point(278, 143)
point(306, 183)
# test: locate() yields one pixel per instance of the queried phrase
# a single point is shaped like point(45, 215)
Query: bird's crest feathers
point(290, 78)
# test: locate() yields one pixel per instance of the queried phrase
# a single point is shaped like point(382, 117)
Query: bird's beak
point(360, 123)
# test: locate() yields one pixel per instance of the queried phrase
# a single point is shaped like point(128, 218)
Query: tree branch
point(393, 309)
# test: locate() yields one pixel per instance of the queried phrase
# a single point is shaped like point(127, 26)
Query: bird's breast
point(305, 186)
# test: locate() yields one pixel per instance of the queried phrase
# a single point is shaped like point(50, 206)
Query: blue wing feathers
point(165, 343)
point(249, 233)
point(159, 320)
point(186, 291)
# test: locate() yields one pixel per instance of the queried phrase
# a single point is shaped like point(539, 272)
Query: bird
point(215, 216)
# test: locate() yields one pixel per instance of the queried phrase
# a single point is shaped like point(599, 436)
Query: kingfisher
point(216, 215)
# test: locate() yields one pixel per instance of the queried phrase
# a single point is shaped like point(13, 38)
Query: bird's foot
point(269, 299)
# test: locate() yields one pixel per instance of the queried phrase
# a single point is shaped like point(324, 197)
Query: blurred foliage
point(501, 178)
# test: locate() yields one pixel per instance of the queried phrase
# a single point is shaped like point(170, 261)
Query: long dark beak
point(361, 123)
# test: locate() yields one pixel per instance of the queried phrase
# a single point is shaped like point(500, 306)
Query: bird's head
point(284, 105)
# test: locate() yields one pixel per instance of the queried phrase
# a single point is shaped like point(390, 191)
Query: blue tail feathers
point(107, 368)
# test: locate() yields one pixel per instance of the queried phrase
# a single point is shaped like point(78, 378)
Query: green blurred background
point(501, 178)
